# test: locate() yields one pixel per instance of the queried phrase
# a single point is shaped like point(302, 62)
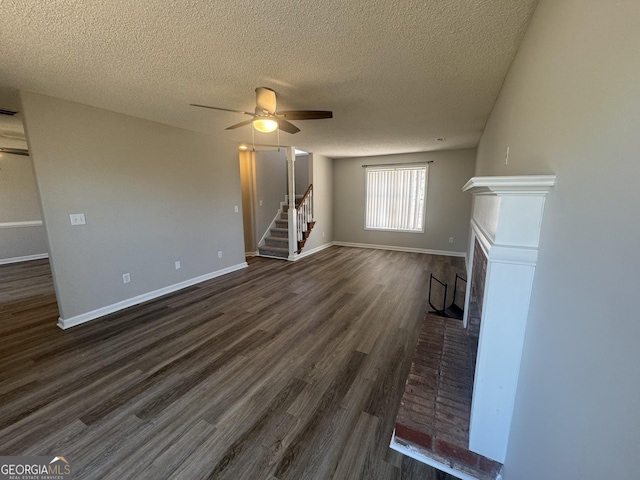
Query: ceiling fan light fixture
point(266, 119)
point(265, 125)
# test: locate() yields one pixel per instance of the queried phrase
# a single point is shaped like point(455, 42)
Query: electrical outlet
point(177, 264)
point(126, 278)
point(77, 219)
point(236, 209)
point(220, 254)
point(450, 239)
point(260, 202)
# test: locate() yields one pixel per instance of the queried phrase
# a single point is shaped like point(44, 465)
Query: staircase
point(305, 222)
point(304, 234)
point(277, 243)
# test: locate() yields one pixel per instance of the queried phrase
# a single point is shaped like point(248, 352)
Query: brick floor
point(436, 406)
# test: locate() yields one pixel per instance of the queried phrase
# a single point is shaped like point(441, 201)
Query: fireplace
point(476, 296)
point(505, 229)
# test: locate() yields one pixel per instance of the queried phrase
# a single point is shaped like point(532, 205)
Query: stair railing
point(304, 212)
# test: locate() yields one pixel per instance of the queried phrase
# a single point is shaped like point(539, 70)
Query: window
point(396, 198)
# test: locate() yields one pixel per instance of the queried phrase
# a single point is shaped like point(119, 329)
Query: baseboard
point(26, 258)
point(65, 323)
point(251, 254)
point(314, 250)
point(401, 249)
point(29, 223)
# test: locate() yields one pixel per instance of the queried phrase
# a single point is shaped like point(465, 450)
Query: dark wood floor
point(279, 371)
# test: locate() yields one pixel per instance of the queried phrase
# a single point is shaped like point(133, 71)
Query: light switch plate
point(77, 219)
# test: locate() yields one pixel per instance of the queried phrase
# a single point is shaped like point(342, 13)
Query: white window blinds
point(396, 198)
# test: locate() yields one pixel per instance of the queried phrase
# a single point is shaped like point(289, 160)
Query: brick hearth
point(436, 406)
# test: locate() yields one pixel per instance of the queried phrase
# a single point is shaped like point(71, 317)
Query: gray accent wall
point(271, 188)
point(570, 106)
point(22, 243)
point(152, 195)
point(19, 203)
point(302, 173)
point(322, 178)
point(448, 209)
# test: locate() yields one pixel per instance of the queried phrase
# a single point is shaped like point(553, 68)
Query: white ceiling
point(396, 73)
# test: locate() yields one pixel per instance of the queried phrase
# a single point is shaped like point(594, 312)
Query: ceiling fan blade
point(218, 108)
point(238, 125)
point(12, 134)
point(266, 99)
point(305, 114)
point(287, 126)
point(15, 151)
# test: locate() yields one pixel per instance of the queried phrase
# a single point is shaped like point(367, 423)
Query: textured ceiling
point(396, 73)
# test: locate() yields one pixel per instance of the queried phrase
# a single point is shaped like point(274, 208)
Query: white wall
point(571, 106)
point(448, 208)
point(152, 195)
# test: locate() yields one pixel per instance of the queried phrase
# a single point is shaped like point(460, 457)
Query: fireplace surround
point(505, 228)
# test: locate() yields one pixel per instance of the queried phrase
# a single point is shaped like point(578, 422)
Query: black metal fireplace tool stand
point(453, 310)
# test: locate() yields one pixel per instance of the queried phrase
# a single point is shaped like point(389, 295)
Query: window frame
point(395, 167)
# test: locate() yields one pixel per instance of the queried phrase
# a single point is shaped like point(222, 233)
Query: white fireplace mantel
point(506, 221)
point(520, 184)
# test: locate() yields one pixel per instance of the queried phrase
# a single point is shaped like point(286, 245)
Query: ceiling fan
point(15, 151)
point(267, 119)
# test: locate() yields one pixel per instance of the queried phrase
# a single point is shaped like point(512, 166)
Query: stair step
point(277, 242)
point(280, 232)
point(284, 216)
point(274, 252)
point(282, 224)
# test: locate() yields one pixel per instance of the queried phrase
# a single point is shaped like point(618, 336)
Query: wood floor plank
point(233, 454)
point(352, 460)
point(284, 370)
point(299, 455)
point(166, 462)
